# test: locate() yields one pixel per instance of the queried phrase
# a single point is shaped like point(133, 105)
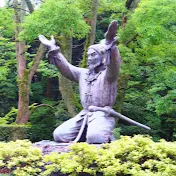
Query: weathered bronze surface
point(97, 85)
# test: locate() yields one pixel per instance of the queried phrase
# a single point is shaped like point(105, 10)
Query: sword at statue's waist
point(113, 113)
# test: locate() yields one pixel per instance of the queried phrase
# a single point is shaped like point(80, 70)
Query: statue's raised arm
point(55, 56)
point(110, 35)
point(113, 56)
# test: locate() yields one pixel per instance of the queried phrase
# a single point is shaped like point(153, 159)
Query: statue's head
point(95, 56)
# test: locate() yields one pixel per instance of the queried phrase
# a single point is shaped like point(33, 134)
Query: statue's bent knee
point(98, 138)
point(59, 136)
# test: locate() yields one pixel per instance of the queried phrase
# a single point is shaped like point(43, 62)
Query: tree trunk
point(23, 101)
point(48, 88)
point(132, 4)
point(29, 5)
point(24, 75)
point(90, 39)
point(92, 22)
point(65, 85)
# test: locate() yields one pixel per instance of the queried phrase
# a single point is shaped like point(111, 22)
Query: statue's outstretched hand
point(111, 32)
point(50, 44)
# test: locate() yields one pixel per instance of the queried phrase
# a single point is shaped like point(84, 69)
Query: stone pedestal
point(48, 146)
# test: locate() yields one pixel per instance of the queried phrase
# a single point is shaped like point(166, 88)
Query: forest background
point(35, 98)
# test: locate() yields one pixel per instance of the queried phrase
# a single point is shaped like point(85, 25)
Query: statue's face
point(94, 59)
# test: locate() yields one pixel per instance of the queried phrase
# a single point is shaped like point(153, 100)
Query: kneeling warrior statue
point(98, 88)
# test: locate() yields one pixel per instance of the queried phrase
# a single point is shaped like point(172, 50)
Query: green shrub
point(137, 156)
point(9, 117)
point(129, 156)
point(116, 132)
point(20, 157)
point(13, 132)
point(43, 123)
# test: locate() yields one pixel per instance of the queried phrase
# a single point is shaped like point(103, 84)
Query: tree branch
point(18, 8)
point(75, 46)
point(134, 37)
point(36, 61)
point(128, 3)
point(38, 106)
point(29, 5)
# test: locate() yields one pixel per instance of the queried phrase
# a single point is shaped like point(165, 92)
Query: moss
point(84, 60)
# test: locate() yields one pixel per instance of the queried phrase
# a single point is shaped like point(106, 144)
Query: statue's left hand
point(50, 44)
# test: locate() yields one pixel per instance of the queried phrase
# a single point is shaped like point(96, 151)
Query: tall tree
point(68, 24)
point(24, 75)
point(148, 49)
point(90, 9)
point(65, 85)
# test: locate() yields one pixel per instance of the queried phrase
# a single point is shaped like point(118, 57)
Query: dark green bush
point(13, 132)
point(43, 123)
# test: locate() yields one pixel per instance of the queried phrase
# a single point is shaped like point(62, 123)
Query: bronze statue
point(97, 85)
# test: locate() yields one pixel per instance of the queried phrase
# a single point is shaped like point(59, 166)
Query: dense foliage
point(147, 45)
point(12, 132)
point(147, 84)
point(137, 156)
point(58, 17)
point(8, 89)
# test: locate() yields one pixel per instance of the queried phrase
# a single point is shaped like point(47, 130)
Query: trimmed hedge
point(129, 156)
point(10, 132)
point(40, 127)
point(36, 132)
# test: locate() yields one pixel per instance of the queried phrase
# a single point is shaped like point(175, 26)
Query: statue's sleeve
point(113, 67)
point(66, 69)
